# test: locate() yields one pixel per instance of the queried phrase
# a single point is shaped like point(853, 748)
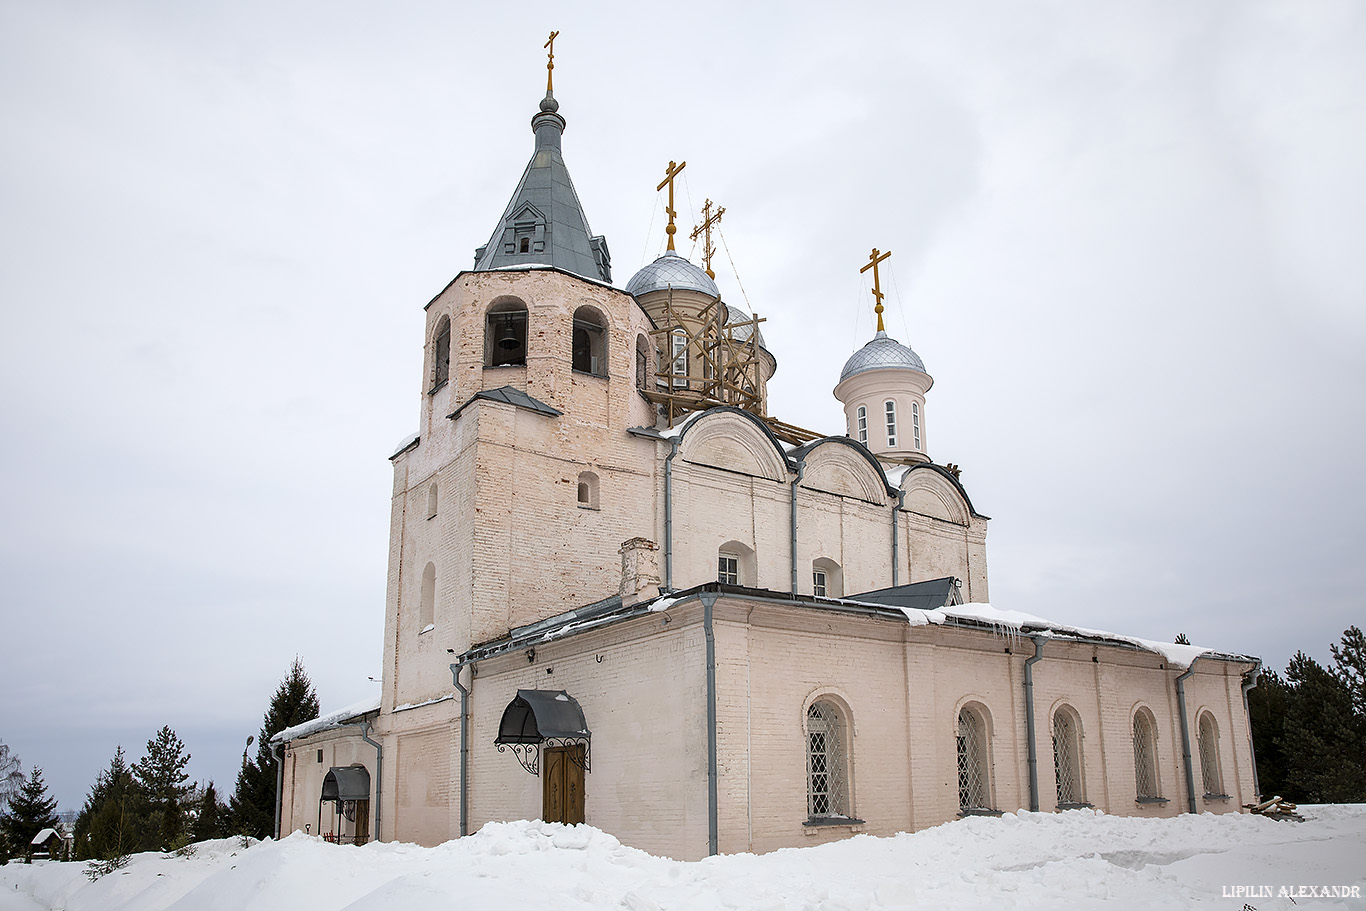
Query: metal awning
point(347, 783)
point(543, 718)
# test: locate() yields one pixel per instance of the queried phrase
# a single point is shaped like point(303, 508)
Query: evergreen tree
point(1323, 737)
point(1266, 712)
point(252, 805)
point(210, 816)
point(161, 775)
point(11, 775)
point(1349, 665)
point(30, 811)
point(111, 823)
point(1182, 639)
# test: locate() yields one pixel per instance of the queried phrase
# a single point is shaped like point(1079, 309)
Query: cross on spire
point(672, 171)
point(709, 218)
point(873, 259)
point(550, 63)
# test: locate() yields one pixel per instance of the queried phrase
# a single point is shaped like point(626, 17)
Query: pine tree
point(30, 811)
point(1349, 665)
point(1323, 738)
point(253, 801)
point(1182, 639)
point(161, 775)
point(1266, 704)
point(210, 815)
point(111, 824)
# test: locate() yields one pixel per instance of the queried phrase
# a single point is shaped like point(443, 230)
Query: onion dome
point(671, 271)
point(883, 352)
point(737, 314)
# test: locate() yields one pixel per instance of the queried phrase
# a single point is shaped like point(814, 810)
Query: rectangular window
point(818, 582)
point(862, 424)
point(915, 422)
point(728, 569)
point(891, 424)
point(679, 367)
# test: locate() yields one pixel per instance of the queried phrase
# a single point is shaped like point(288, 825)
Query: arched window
point(505, 335)
point(678, 354)
point(589, 347)
point(735, 564)
point(588, 490)
point(915, 422)
point(431, 501)
point(1145, 756)
point(826, 578)
point(827, 762)
point(441, 354)
point(1067, 758)
point(974, 784)
point(1209, 757)
point(643, 366)
point(862, 415)
point(426, 611)
point(890, 408)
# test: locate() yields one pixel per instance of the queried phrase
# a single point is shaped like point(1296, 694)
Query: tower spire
point(672, 171)
point(873, 259)
point(709, 218)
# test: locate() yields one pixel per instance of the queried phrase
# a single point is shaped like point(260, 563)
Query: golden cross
point(550, 64)
point(672, 171)
point(873, 259)
point(709, 218)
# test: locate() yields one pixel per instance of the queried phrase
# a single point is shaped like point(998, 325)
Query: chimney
point(639, 570)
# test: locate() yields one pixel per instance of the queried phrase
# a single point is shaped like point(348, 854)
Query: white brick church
point(621, 593)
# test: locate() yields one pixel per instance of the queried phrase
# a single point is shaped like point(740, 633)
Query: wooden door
point(362, 822)
point(562, 784)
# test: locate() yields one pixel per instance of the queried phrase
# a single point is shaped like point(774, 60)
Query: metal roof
point(509, 395)
point(930, 594)
point(347, 783)
point(536, 715)
point(880, 353)
point(545, 210)
point(671, 271)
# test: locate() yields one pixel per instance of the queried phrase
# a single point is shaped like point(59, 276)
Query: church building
point(620, 592)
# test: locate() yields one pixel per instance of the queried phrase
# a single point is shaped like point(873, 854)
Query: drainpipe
point(464, 746)
point(1186, 735)
point(801, 473)
point(275, 749)
point(365, 729)
point(1039, 640)
point(708, 601)
point(1249, 682)
point(669, 516)
point(896, 514)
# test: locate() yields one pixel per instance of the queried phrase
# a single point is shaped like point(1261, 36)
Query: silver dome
point(881, 353)
point(671, 270)
point(738, 314)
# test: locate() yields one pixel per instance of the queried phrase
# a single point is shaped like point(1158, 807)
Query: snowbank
point(1076, 859)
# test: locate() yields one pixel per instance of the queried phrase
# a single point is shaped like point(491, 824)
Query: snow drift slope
point(1077, 859)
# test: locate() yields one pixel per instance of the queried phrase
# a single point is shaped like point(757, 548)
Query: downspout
point(464, 746)
point(1186, 734)
point(708, 601)
point(1249, 682)
point(801, 473)
point(275, 749)
point(1033, 751)
point(365, 729)
point(896, 515)
point(669, 516)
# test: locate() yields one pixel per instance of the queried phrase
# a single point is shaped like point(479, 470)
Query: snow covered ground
point(1077, 859)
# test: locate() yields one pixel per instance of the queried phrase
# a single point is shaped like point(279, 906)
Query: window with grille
point(915, 422)
point(862, 424)
point(827, 779)
point(972, 762)
point(728, 569)
point(679, 368)
point(891, 422)
point(1067, 759)
point(1209, 757)
point(1145, 756)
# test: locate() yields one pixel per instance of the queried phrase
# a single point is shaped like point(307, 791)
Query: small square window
point(728, 569)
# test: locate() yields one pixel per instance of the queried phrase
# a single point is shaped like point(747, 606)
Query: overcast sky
point(1127, 242)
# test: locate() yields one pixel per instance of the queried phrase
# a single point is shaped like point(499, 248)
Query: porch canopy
point(542, 717)
point(347, 783)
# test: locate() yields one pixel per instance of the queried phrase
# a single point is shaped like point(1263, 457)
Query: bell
point(507, 336)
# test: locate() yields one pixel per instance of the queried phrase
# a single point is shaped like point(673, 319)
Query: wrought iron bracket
point(529, 754)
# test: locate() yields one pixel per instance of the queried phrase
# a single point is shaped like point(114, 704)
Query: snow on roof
point(44, 836)
point(405, 443)
point(1019, 623)
point(326, 722)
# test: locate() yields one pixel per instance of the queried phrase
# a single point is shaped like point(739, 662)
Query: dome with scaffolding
point(671, 271)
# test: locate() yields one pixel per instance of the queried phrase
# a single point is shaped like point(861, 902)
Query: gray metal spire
point(544, 223)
